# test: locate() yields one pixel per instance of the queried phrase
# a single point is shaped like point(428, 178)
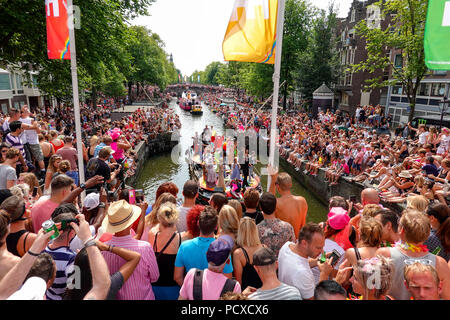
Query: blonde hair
point(64, 166)
point(94, 141)
point(370, 210)
point(151, 219)
point(371, 231)
point(237, 207)
point(247, 233)
point(228, 220)
point(419, 181)
point(416, 225)
point(382, 267)
point(31, 180)
point(20, 190)
point(417, 202)
point(418, 267)
point(167, 214)
point(284, 181)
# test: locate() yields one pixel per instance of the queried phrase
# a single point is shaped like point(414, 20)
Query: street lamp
point(443, 104)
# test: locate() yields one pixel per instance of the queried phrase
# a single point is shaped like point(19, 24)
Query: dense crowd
point(114, 245)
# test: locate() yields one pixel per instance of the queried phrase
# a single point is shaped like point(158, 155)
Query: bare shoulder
point(384, 252)
point(441, 266)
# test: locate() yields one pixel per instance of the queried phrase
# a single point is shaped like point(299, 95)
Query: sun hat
point(218, 252)
point(91, 201)
point(338, 218)
point(405, 174)
point(264, 257)
point(120, 216)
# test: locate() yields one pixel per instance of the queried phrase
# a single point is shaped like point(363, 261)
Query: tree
point(406, 34)
point(320, 61)
point(297, 23)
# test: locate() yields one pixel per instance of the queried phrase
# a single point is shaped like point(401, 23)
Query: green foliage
point(320, 61)
point(405, 34)
point(109, 52)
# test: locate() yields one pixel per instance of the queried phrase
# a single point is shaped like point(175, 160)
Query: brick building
point(350, 91)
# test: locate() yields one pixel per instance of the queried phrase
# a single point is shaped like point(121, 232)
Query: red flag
point(57, 29)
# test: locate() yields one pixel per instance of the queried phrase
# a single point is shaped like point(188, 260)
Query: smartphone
point(334, 257)
point(35, 190)
point(132, 196)
point(352, 198)
point(139, 195)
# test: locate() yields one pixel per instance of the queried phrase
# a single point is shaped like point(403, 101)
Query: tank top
point(12, 241)
point(57, 147)
point(166, 263)
point(398, 289)
point(118, 153)
point(249, 275)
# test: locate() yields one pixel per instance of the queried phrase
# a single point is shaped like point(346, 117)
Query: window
point(424, 89)
point(4, 108)
point(34, 80)
point(398, 62)
point(438, 89)
point(4, 82)
point(440, 72)
point(18, 82)
point(397, 90)
point(353, 16)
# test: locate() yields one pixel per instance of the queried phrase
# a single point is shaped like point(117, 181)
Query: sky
point(193, 30)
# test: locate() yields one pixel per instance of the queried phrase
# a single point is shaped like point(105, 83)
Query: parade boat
point(196, 109)
point(184, 104)
point(233, 188)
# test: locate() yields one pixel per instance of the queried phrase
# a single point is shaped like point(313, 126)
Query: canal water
point(160, 169)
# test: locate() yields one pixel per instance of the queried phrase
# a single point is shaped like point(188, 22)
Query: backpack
point(198, 281)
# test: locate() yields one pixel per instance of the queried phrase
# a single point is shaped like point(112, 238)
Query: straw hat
point(120, 216)
point(405, 174)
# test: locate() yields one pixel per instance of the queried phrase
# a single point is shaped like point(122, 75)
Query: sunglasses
point(425, 262)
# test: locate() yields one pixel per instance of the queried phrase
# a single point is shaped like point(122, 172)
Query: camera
point(139, 193)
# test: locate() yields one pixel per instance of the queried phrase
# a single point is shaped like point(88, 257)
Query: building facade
point(350, 89)
point(14, 93)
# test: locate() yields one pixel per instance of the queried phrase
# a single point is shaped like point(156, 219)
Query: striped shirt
point(15, 142)
point(138, 286)
point(282, 292)
point(64, 259)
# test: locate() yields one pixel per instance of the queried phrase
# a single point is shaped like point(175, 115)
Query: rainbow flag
point(58, 45)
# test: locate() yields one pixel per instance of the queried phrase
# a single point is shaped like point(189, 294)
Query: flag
point(437, 35)
point(198, 78)
point(251, 32)
point(57, 30)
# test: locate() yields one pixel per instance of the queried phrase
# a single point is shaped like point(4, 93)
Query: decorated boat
point(196, 109)
point(233, 188)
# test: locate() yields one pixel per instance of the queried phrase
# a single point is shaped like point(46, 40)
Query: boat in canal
point(197, 109)
point(199, 170)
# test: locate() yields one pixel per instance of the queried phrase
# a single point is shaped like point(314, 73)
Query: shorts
point(36, 151)
point(356, 166)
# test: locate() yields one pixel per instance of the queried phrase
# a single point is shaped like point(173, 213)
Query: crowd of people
point(97, 240)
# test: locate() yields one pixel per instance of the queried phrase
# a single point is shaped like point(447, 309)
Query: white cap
point(91, 201)
point(33, 289)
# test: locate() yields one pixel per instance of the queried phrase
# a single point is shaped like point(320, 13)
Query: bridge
point(197, 88)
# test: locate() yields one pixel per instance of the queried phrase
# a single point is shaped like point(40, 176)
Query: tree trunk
point(94, 97)
point(412, 105)
point(130, 84)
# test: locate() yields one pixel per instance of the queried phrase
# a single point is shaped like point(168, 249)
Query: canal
point(160, 169)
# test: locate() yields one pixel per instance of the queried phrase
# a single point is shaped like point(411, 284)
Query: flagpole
point(76, 100)
point(276, 85)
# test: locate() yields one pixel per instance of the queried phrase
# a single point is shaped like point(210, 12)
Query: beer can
point(48, 226)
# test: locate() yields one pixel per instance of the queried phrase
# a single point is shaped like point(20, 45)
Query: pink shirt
point(138, 286)
point(212, 285)
point(41, 211)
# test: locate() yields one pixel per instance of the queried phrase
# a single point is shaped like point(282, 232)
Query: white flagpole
point(76, 100)
point(276, 85)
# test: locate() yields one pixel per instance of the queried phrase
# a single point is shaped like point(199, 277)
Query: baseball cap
point(338, 218)
point(218, 251)
point(264, 257)
point(91, 201)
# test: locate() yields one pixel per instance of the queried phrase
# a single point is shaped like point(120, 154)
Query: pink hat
point(338, 218)
point(115, 133)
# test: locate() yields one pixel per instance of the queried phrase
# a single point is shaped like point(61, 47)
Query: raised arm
point(101, 280)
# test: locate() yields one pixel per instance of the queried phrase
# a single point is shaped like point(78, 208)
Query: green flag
point(437, 35)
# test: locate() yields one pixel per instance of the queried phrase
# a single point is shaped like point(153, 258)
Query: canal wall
point(323, 192)
point(147, 149)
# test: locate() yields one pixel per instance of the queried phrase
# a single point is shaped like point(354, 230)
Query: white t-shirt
point(294, 270)
point(29, 136)
point(33, 289)
point(76, 244)
point(423, 136)
point(181, 223)
point(329, 246)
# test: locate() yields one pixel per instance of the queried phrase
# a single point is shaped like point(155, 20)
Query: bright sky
point(193, 30)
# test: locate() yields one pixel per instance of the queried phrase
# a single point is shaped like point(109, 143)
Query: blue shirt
point(192, 254)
